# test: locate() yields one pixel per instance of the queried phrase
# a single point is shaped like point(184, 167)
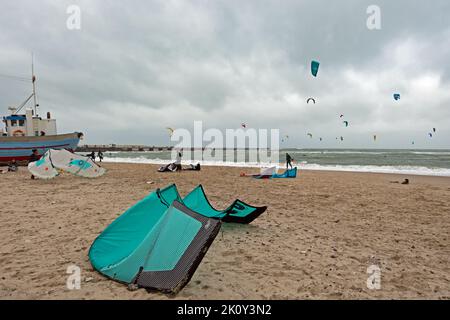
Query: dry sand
point(316, 240)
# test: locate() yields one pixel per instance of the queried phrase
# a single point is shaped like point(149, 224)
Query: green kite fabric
point(154, 245)
point(196, 200)
point(289, 173)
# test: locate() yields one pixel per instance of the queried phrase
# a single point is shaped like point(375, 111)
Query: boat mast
point(33, 80)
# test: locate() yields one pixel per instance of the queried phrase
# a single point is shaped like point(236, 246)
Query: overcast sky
point(136, 67)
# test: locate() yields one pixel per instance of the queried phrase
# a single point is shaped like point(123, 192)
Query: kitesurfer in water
point(34, 157)
point(289, 159)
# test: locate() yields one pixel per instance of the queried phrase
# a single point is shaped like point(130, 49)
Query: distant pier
point(132, 148)
point(117, 147)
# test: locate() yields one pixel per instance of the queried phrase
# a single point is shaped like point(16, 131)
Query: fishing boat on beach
point(27, 131)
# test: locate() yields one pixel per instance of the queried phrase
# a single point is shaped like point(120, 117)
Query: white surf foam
point(413, 170)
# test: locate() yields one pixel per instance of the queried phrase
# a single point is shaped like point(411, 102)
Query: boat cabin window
point(13, 123)
point(21, 123)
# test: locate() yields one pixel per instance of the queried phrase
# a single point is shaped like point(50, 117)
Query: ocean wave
point(414, 170)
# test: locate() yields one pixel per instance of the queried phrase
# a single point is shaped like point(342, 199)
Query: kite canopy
point(346, 123)
point(314, 68)
point(46, 167)
point(397, 96)
point(310, 135)
point(237, 212)
point(154, 244)
point(311, 99)
point(289, 173)
point(170, 131)
point(266, 174)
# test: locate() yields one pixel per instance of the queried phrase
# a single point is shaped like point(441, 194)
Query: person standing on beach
point(289, 159)
point(100, 155)
point(34, 157)
point(178, 161)
point(92, 156)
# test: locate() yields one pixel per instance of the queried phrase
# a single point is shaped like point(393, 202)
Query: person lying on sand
point(12, 167)
point(406, 181)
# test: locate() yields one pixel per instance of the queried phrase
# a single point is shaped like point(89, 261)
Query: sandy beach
point(316, 240)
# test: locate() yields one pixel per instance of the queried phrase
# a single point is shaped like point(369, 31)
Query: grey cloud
point(136, 67)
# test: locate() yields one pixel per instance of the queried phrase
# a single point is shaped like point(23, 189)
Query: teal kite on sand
point(289, 173)
point(159, 242)
point(196, 200)
point(314, 67)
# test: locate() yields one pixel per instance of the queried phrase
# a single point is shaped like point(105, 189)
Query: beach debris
point(311, 99)
point(150, 182)
point(397, 96)
point(88, 279)
point(315, 67)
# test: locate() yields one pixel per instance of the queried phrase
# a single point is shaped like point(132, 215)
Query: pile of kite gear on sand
point(172, 167)
point(159, 242)
point(271, 173)
point(53, 161)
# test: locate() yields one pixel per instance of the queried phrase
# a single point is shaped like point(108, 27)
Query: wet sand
point(316, 240)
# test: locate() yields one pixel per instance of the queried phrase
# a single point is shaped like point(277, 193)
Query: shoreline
point(301, 166)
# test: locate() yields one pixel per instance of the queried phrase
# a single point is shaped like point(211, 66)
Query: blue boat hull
point(20, 148)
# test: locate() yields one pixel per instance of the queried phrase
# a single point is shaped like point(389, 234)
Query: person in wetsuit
point(289, 160)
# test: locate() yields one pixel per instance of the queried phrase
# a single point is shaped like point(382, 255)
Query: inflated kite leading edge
point(46, 167)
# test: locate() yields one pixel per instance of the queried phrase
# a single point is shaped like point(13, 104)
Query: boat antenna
point(33, 80)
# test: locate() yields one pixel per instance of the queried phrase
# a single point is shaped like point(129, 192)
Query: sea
point(418, 162)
